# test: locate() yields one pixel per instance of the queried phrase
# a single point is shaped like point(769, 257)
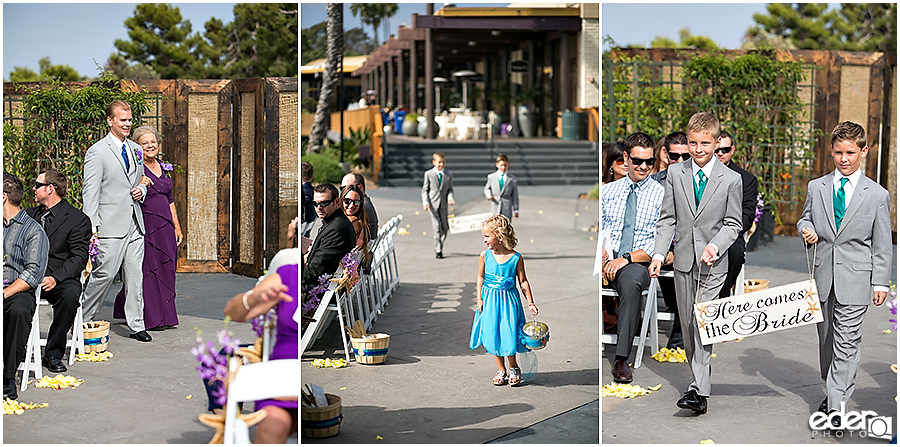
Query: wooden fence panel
point(282, 161)
point(248, 156)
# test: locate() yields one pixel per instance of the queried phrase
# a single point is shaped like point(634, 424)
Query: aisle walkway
point(433, 388)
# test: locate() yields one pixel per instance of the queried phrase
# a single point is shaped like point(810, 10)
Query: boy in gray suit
point(502, 190)
point(846, 215)
point(437, 194)
point(701, 209)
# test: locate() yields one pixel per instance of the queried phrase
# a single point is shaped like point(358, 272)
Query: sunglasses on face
point(323, 203)
point(348, 202)
point(675, 156)
point(620, 161)
point(639, 161)
point(723, 150)
point(38, 184)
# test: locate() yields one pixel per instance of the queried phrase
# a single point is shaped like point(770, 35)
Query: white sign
point(761, 312)
point(463, 224)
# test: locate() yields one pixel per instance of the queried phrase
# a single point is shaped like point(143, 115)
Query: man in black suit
point(335, 239)
point(724, 151)
point(69, 231)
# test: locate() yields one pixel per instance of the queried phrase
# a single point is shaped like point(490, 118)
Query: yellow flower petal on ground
point(343, 388)
point(378, 438)
point(540, 211)
point(592, 237)
point(417, 213)
point(707, 441)
point(713, 355)
point(886, 331)
point(576, 214)
point(189, 396)
point(532, 241)
point(655, 388)
point(424, 233)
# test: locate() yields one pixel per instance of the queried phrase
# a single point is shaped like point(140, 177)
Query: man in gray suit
point(112, 194)
point(502, 190)
point(437, 195)
point(702, 209)
point(847, 216)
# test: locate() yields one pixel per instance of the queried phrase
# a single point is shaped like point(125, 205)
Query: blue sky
point(69, 33)
point(640, 23)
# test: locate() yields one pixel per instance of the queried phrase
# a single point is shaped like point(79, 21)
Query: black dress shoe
point(141, 336)
point(621, 372)
point(9, 389)
point(823, 407)
point(439, 255)
point(693, 401)
point(53, 364)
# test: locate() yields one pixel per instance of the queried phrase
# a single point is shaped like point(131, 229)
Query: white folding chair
point(331, 303)
point(650, 318)
point(32, 362)
point(267, 380)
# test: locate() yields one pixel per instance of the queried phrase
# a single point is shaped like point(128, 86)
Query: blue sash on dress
point(499, 282)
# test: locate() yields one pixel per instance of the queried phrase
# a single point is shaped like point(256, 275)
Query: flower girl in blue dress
point(500, 317)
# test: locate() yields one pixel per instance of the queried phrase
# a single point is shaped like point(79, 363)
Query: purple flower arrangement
point(93, 252)
point(893, 304)
point(214, 362)
point(313, 298)
point(260, 323)
point(759, 207)
point(139, 155)
point(166, 167)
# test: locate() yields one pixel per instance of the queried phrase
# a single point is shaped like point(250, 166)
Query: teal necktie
point(839, 204)
point(440, 177)
point(698, 189)
point(501, 183)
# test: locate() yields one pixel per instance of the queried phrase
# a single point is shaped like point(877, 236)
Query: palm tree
point(333, 49)
point(373, 14)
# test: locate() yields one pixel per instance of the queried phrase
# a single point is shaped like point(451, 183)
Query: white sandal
point(515, 376)
point(500, 378)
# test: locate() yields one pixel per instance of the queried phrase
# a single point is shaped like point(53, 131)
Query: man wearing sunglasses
point(630, 210)
point(724, 151)
point(675, 146)
point(334, 240)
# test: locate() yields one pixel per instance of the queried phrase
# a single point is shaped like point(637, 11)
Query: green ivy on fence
point(756, 97)
point(60, 123)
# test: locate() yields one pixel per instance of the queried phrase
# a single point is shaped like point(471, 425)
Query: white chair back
point(266, 380)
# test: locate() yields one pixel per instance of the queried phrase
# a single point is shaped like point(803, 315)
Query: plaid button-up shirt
point(25, 250)
point(612, 209)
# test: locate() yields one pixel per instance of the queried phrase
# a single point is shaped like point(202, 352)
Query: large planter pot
point(423, 127)
point(410, 127)
point(527, 124)
point(496, 119)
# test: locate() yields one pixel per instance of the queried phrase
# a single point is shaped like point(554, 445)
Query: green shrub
point(325, 169)
point(594, 193)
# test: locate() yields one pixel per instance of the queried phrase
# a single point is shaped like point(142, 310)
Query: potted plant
point(527, 120)
point(500, 99)
point(410, 124)
point(423, 126)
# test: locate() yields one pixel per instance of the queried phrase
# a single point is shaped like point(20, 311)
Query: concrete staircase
point(534, 161)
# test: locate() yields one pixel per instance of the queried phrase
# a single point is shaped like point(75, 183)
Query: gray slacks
point(440, 225)
point(127, 253)
point(685, 291)
point(631, 281)
point(840, 337)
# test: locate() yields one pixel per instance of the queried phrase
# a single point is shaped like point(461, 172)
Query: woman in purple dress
point(280, 289)
point(162, 236)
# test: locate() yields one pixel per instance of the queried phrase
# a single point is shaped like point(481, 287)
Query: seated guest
point(630, 211)
point(614, 167)
point(69, 232)
point(351, 201)
point(355, 178)
point(335, 238)
point(307, 212)
point(278, 290)
point(25, 248)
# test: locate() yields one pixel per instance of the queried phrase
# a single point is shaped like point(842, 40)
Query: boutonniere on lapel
point(166, 167)
point(139, 155)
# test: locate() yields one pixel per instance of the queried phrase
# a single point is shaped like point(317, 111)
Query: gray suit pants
point(631, 281)
point(127, 253)
point(686, 290)
point(440, 225)
point(840, 336)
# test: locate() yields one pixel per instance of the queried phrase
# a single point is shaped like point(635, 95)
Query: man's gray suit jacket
point(506, 202)
point(107, 188)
